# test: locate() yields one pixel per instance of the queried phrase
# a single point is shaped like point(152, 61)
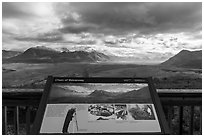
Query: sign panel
point(99, 105)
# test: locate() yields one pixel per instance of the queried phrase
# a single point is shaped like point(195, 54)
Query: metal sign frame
point(51, 80)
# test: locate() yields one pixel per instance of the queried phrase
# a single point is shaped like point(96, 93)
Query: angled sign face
point(100, 106)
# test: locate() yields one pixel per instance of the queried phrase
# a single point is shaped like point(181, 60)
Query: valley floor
point(22, 75)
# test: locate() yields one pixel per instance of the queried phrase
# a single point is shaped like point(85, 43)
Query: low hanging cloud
point(40, 39)
point(53, 36)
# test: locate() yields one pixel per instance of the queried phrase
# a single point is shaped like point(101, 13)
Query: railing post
point(4, 120)
point(201, 120)
point(170, 115)
point(191, 120)
point(16, 120)
point(180, 120)
point(28, 120)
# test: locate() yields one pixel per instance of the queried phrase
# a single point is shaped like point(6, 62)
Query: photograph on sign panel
point(141, 112)
point(121, 112)
point(100, 93)
point(101, 112)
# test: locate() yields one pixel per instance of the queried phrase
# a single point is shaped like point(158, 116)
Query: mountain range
point(128, 94)
point(103, 93)
point(47, 55)
point(41, 54)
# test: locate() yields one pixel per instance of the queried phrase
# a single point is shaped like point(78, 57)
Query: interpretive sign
point(100, 106)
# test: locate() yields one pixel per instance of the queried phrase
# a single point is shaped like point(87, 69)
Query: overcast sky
point(149, 31)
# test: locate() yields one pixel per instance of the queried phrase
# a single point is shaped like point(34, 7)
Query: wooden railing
point(183, 101)
point(19, 108)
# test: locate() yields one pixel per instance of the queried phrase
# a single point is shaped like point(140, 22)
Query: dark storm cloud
point(5, 31)
point(16, 10)
point(175, 17)
point(126, 17)
point(77, 28)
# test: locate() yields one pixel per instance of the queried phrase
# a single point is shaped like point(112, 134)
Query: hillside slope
point(186, 59)
point(9, 53)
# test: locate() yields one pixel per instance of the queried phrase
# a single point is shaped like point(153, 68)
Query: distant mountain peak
point(188, 51)
point(42, 54)
point(64, 49)
point(185, 59)
point(184, 51)
point(39, 51)
point(100, 93)
point(43, 48)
